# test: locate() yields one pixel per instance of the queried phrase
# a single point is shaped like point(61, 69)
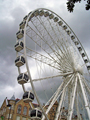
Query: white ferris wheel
point(53, 62)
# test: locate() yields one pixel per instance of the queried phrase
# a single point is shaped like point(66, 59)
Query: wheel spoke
point(64, 74)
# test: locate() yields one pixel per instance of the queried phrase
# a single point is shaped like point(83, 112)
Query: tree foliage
point(71, 4)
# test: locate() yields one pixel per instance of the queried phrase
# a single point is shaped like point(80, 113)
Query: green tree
point(71, 4)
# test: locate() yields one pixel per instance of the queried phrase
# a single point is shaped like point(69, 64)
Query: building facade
point(19, 110)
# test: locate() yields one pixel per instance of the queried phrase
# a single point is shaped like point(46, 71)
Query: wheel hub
point(78, 68)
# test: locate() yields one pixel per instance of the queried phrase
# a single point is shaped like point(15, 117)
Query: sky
point(11, 14)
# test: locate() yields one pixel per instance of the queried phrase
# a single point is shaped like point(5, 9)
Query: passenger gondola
point(64, 27)
point(25, 18)
point(22, 24)
point(20, 60)
point(32, 15)
point(41, 13)
point(79, 48)
point(76, 42)
point(83, 54)
point(22, 78)
point(19, 46)
point(72, 37)
point(56, 19)
point(36, 13)
point(36, 114)
point(60, 23)
point(86, 61)
point(20, 34)
point(46, 13)
point(28, 96)
point(88, 67)
point(68, 32)
point(51, 16)
point(29, 13)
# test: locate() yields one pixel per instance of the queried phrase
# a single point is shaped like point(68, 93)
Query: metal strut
point(84, 96)
point(71, 105)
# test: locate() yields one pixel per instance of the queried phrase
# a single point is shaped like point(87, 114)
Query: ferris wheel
point(52, 61)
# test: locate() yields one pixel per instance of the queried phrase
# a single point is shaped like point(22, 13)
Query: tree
point(71, 4)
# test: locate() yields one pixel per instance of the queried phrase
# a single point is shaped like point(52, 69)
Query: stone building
point(19, 110)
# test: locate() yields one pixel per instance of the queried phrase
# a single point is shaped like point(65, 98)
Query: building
point(19, 110)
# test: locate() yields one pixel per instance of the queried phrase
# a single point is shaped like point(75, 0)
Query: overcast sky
point(11, 14)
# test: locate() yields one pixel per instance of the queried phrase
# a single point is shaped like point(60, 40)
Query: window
point(9, 115)
point(39, 114)
point(25, 95)
point(11, 102)
point(31, 96)
point(17, 118)
point(1, 111)
point(4, 109)
point(9, 108)
point(12, 107)
point(23, 118)
point(19, 109)
point(33, 113)
point(25, 110)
